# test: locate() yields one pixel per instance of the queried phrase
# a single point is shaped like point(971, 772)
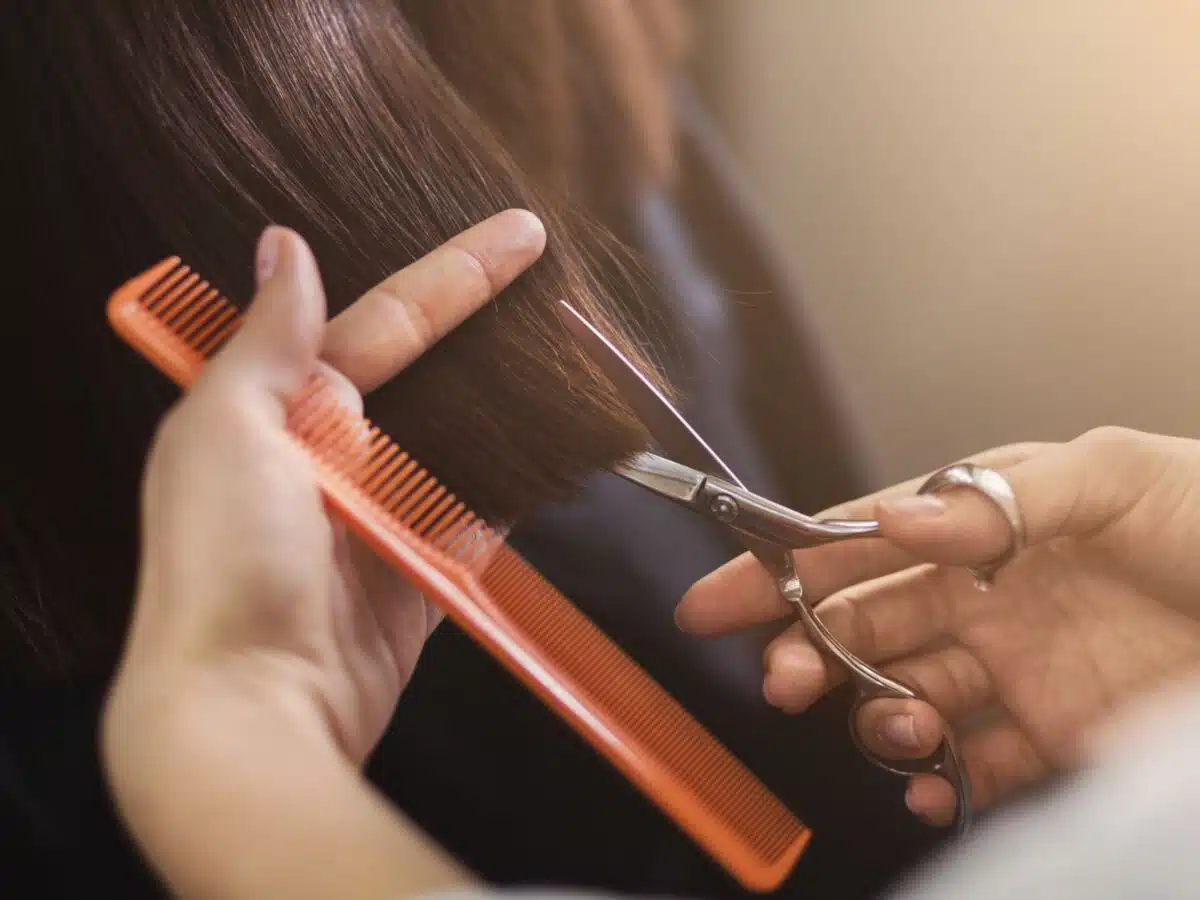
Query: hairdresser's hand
point(1102, 606)
point(245, 580)
point(267, 649)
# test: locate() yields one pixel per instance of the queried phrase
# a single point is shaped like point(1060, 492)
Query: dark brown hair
point(376, 128)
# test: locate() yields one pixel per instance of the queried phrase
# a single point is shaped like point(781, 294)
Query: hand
point(250, 596)
point(1101, 606)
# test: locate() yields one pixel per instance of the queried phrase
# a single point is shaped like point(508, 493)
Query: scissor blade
point(666, 424)
point(664, 477)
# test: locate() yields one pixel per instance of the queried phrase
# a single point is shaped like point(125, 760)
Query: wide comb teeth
point(190, 317)
point(192, 309)
point(174, 318)
point(177, 320)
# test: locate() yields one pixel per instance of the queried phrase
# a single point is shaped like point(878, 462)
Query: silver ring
point(995, 487)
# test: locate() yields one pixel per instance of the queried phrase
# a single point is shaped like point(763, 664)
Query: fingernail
point(900, 732)
point(527, 230)
point(918, 506)
point(267, 258)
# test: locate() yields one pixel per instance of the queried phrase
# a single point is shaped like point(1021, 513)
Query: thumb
point(277, 346)
point(1062, 490)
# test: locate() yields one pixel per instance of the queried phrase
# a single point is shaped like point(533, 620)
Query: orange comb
point(177, 320)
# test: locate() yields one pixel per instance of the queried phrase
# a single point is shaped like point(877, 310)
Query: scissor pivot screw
point(724, 508)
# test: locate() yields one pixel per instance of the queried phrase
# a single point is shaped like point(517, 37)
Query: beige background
point(993, 206)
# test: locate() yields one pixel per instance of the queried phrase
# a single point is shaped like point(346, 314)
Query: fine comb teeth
point(177, 321)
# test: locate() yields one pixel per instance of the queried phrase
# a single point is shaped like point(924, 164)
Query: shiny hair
point(376, 128)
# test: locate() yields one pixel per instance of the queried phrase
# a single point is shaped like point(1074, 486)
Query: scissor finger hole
point(944, 761)
point(903, 736)
point(898, 730)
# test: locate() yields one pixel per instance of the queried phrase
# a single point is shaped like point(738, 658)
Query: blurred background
point(992, 208)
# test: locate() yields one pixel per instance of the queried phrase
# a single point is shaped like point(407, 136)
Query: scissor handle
point(945, 761)
point(871, 684)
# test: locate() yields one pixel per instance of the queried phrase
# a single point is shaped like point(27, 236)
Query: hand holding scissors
point(1101, 607)
point(693, 475)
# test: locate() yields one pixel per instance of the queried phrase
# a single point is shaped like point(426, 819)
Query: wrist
point(161, 728)
point(244, 791)
point(155, 709)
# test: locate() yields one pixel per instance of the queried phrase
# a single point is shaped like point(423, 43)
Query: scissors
point(696, 477)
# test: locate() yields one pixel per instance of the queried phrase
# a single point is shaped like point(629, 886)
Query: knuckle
point(479, 274)
point(935, 682)
point(1123, 463)
point(1114, 441)
point(985, 784)
point(415, 326)
point(917, 677)
point(844, 614)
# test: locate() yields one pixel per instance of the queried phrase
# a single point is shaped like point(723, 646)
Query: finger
point(1069, 489)
point(895, 625)
point(276, 348)
point(899, 729)
point(344, 392)
point(1000, 761)
point(953, 681)
point(402, 317)
point(999, 458)
point(742, 594)
point(877, 621)
point(394, 607)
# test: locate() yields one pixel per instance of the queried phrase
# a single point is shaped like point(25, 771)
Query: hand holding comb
point(177, 321)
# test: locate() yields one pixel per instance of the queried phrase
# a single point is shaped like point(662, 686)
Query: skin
point(267, 650)
point(1101, 607)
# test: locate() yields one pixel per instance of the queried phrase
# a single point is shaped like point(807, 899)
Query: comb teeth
point(177, 321)
point(406, 498)
point(192, 309)
point(194, 317)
